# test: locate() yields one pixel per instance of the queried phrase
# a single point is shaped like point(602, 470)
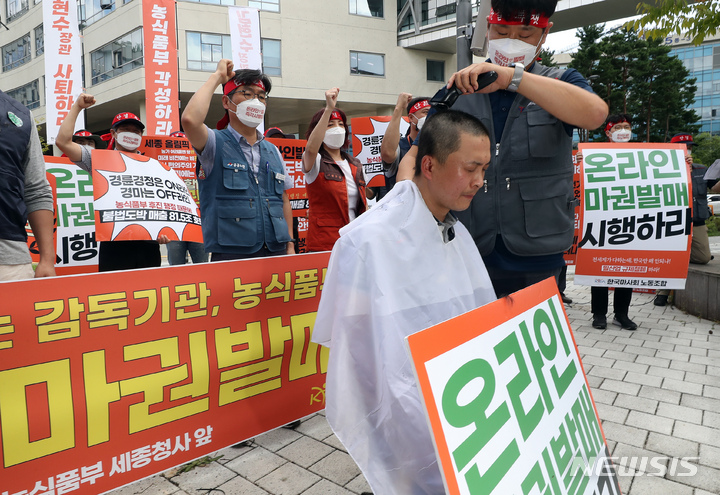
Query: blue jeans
point(177, 252)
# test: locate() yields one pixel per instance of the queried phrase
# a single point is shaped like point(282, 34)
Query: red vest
point(328, 203)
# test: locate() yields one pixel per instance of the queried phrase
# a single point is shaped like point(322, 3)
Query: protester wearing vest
point(700, 246)
point(522, 219)
point(25, 195)
point(241, 177)
point(334, 180)
point(125, 135)
point(617, 130)
point(394, 147)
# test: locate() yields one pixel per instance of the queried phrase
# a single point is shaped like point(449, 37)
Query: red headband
point(419, 106)
point(536, 19)
point(335, 115)
point(682, 138)
point(231, 86)
point(610, 125)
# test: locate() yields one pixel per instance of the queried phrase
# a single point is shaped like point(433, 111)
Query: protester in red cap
point(393, 147)
point(700, 246)
point(334, 179)
point(125, 135)
point(241, 177)
point(86, 138)
point(617, 130)
point(522, 220)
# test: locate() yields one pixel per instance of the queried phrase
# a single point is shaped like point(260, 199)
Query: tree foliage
point(697, 20)
point(707, 149)
point(638, 77)
point(546, 57)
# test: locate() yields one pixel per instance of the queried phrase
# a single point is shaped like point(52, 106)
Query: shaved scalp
point(440, 136)
point(508, 8)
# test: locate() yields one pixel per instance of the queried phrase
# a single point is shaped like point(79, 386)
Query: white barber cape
point(391, 275)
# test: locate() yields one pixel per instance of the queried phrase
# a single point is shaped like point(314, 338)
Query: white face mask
point(420, 123)
point(621, 136)
point(128, 140)
point(250, 112)
point(506, 51)
point(334, 137)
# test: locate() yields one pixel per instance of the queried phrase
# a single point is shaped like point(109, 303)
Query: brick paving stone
point(256, 463)
point(621, 356)
point(660, 394)
point(611, 413)
point(604, 372)
point(358, 484)
point(653, 485)
point(610, 346)
point(334, 442)
point(305, 451)
point(325, 487)
point(680, 356)
point(276, 439)
point(675, 340)
point(666, 373)
point(653, 361)
point(712, 370)
point(709, 391)
point(288, 479)
point(338, 467)
point(697, 351)
point(701, 378)
point(598, 361)
point(638, 349)
point(620, 387)
point(644, 379)
point(688, 367)
point(210, 476)
point(594, 381)
point(239, 485)
point(682, 386)
point(709, 361)
point(157, 485)
point(316, 427)
point(634, 367)
point(710, 456)
point(604, 396)
point(680, 412)
point(634, 403)
point(705, 403)
point(671, 446)
point(650, 422)
point(628, 434)
point(696, 433)
point(659, 346)
point(706, 478)
point(641, 461)
point(711, 419)
point(592, 351)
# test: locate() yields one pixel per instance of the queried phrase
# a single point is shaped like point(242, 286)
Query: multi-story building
point(370, 49)
point(703, 62)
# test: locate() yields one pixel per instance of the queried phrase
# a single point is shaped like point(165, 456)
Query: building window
point(271, 57)
point(117, 57)
point(214, 2)
point(370, 8)
point(205, 50)
point(436, 70)
point(28, 95)
point(16, 8)
point(16, 53)
point(39, 40)
point(90, 11)
point(269, 5)
point(367, 64)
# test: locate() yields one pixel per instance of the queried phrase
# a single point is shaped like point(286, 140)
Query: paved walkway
point(657, 391)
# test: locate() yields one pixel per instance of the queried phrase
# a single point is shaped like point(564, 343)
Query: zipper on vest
point(507, 181)
point(485, 184)
point(497, 149)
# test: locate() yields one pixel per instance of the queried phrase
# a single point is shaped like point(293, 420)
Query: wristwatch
point(516, 78)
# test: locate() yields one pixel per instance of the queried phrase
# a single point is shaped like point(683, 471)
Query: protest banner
point(367, 137)
point(245, 37)
point(571, 253)
point(292, 151)
point(162, 91)
point(636, 216)
point(138, 198)
point(63, 64)
point(508, 402)
point(109, 378)
point(176, 153)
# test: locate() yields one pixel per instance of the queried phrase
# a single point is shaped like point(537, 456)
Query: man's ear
point(225, 102)
point(427, 166)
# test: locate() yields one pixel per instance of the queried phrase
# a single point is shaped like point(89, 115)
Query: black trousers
point(128, 255)
point(506, 282)
point(599, 300)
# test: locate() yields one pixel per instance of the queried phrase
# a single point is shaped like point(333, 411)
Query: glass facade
point(271, 59)
point(370, 8)
point(205, 50)
point(268, 5)
point(703, 62)
point(367, 64)
point(16, 8)
point(431, 12)
point(28, 95)
point(435, 70)
point(39, 40)
point(90, 11)
point(117, 57)
point(16, 53)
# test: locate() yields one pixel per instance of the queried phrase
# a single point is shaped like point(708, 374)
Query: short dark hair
point(440, 136)
point(246, 77)
point(412, 102)
point(509, 8)
point(619, 117)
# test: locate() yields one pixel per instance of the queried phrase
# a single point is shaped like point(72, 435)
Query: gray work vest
point(528, 194)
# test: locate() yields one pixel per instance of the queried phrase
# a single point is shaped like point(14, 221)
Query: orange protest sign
point(571, 253)
point(108, 378)
point(636, 216)
point(139, 198)
point(367, 136)
point(508, 402)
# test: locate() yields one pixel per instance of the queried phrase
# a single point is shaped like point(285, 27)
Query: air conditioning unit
point(106, 4)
